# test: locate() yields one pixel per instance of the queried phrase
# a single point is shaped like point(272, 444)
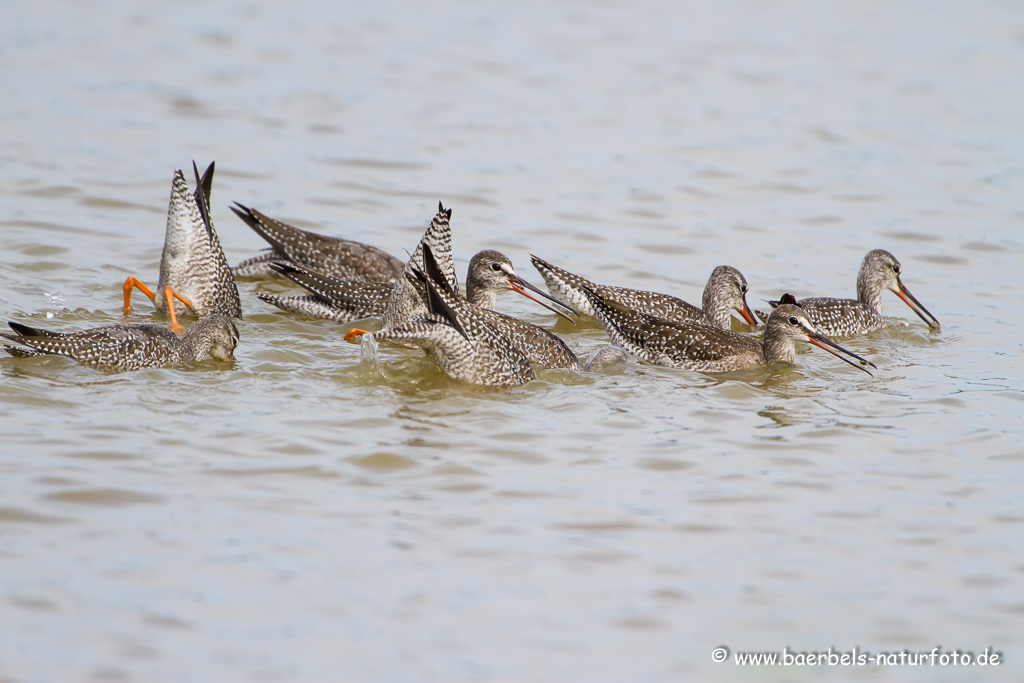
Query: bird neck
point(869, 291)
point(480, 295)
point(195, 343)
point(778, 346)
point(715, 307)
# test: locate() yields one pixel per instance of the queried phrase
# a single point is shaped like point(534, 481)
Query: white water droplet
point(368, 348)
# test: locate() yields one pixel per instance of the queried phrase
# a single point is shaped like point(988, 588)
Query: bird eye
point(793, 320)
point(743, 288)
point(896, 268)
point(495, 266)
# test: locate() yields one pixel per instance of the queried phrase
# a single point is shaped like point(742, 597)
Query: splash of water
point(368, 349)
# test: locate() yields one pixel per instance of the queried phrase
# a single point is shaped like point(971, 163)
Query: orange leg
point(130, 284)
point(170, 295)
point(351, 335)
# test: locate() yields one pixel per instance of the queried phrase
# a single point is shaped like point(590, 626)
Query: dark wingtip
point(245, 213)
point(282, 267)
point(416, 276)
point(25, 330)
point(598, 299)
point(263, 226)
point(204, 188)
point(205, 181)
point(433, 269)
point(435, 302)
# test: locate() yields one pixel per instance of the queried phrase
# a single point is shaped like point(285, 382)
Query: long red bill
point(915, 305)
point(823, 342)
point(747, 315)
point(517, 284)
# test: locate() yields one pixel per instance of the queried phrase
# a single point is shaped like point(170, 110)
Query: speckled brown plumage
point(340, 300)
point(339, 258)
point(725, 291)
point(408, 299)
point(465, 344)
point(490, 272)
point(843, 318)
point(193, 264)
point(116, 348)
point(704, 348)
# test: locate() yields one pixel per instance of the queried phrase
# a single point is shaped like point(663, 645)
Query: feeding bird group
point(419, 304)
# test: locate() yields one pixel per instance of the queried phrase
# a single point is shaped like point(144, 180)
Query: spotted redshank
point(408, 298)
point(489, 273)
point(726, 291)
point(340, 258)
point(331, 298)
point(465, 344)
point(848, 317)
point(193, 268)
point(116, 348)
point(704, 348)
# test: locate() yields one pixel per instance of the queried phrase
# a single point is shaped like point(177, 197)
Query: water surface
point(309, 515)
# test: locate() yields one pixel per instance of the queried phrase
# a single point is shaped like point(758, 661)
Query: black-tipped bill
point(915, 305)
point(823, 342)
point(519, 285)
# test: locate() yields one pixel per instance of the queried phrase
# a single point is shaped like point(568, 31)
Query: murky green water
point(308, 515)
